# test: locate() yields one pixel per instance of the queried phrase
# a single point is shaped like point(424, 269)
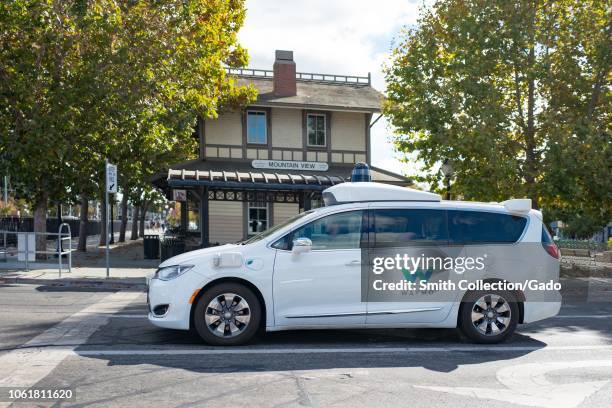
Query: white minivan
point(363, 261)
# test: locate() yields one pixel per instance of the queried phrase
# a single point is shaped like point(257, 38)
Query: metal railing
point(304, 76)
point(27, 251)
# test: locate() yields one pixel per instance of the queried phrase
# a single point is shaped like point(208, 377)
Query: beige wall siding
point(348, 131)
point(286, 127)
point(225, 221)
point(227, 129)
point(283, 211)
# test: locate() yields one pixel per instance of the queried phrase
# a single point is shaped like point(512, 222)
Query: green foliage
point(517, 95)
point(81, 81)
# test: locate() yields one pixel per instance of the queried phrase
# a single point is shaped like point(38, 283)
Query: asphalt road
point(101, 345)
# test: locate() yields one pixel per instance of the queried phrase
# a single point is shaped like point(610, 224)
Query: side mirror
point(301, 245)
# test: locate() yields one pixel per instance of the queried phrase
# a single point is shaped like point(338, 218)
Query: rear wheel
point(227, 314)
point(488, 316)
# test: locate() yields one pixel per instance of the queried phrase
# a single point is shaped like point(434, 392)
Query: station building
point(263, 164)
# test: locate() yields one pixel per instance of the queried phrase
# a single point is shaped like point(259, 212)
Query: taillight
point(552, 249)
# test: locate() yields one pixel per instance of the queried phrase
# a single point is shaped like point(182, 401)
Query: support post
point(184, 220)
point(307, 202)
point(106, 218)
point(112, 224)
point(204, 226)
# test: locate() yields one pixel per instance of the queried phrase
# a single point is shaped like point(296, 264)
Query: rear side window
point(484, 227)
point(401, 227)
point(546, 238)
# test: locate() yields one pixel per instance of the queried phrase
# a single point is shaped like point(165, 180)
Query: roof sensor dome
point(360, 173)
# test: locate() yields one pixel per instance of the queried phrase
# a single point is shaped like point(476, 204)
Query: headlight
point(171, 272)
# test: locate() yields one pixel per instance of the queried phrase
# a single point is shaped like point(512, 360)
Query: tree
point(517, 95)
point(81, 81)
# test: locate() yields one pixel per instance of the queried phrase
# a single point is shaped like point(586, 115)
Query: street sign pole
point(110, 173)
point(106, 218)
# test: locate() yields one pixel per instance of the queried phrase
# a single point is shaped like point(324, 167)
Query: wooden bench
point(579, 253)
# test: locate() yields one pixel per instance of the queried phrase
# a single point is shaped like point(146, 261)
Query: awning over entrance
point(242, 176)
point(252, 185)
point(251, 180)
point(234, 180)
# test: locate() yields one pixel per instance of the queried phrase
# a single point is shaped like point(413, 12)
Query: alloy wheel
point(491, 315)
point(227, 315)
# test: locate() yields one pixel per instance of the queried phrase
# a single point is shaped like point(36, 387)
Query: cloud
point(346, 37)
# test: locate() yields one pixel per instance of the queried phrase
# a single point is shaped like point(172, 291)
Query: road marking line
point(26, 366)
point(582, 317)
point(479, 349)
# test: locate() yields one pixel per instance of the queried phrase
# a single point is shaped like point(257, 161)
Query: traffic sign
point(111, 178)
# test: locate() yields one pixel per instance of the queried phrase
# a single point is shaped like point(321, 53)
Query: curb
point(79, 283)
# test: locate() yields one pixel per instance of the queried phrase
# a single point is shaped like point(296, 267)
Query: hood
point(198, 254)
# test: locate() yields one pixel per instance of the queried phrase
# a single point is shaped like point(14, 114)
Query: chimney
point(284, 74)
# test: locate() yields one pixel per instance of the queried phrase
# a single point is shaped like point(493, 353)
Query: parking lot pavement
point(101, 345)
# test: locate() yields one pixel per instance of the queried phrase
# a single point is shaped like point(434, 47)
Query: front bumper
point(168, 293)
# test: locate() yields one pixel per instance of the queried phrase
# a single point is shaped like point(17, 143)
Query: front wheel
point(488, 317)
point(227, 314)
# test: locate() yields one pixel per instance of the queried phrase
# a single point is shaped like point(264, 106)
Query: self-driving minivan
point(375, 256)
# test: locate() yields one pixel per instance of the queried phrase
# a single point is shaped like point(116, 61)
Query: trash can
point(151, 246)
point(171, 246)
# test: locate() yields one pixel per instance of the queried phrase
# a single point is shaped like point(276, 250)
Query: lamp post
point(447, 171)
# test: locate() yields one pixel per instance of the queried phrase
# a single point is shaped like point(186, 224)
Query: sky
point(345, 37)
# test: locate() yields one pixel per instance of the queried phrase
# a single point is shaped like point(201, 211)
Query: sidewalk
point(120, 278)
point(128, 268)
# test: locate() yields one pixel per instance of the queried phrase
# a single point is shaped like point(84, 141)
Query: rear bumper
point(535, 310)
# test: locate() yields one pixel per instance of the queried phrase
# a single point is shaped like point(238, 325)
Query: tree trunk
point(103, 226)
point(40, 226)
point(82, 245)
point(530, 144)
point(143, 215)
point(135, 222)
point(124, 208)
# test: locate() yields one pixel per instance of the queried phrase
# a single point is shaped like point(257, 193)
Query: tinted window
point(336, 231)
point(477, 226)
point(399, 227)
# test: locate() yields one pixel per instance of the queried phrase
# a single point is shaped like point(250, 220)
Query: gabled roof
point(331, 95)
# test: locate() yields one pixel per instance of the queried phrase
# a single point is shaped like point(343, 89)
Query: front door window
point(336, 231)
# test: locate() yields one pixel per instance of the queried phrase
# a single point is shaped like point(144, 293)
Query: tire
point(491, 323)
point(221, 323)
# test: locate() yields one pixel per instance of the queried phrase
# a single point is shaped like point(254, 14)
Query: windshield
point(275, 228)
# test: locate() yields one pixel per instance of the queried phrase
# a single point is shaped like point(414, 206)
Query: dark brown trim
point(348, 151)
point(368, 152)
point(202, 136)
point(224, 145)
point(245, 219)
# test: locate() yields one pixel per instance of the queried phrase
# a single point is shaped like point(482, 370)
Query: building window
point(315, 129)
point(256, 127)
point(257, 217)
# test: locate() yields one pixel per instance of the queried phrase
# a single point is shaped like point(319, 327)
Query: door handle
point(354, 262)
